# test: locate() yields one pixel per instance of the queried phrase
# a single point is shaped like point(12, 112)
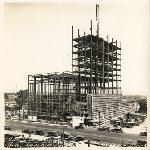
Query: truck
point(77, 122)
point(32, 118)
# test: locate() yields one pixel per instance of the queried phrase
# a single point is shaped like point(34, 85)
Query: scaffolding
point(51, 95)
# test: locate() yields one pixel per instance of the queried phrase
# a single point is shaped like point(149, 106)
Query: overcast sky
point(37, 39)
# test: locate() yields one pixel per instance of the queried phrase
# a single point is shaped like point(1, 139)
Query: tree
point(143, 106)
point(21, 98)
point(6, 96)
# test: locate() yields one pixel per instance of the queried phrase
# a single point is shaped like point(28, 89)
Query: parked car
point(136, 124)
point(79, 138)
point(39, 132)
point(141, 143)
point(7, 128)
point(14, 118)
point(7, 117)
point(86, 141)
point(28, 131)
point(116, 129)
point(97, 142)
point(115, 125)
point(66, 135)
point(143, 134)
point(127, 145)
point(128, 126)
point(51, 134)
point(104, 128)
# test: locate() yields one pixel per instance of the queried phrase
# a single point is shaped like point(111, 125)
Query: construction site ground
point(108, 137)
point(134, 130)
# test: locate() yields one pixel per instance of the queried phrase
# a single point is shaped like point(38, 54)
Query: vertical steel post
point(95, 74)
point(91, 61)
point(33, 110)
point(103, 70)
point(59, 94)
point(48, 99)
point(52, 99)
point(116, 70)
point(77, 72)
point(85, 64)
point(41, 85)
point(112, 68)
point(97, 18)
point(49, 93)
point(55, 94)
point(34, 93)
point(82, 84)
point(41, 93)
point(108, 62)
point(120, 66)
point(28, 95)
point(63, 98)
point(30, 98)
point(79, 59)
point(97, 71)
point(100, 59)
point(45, 89)
point(39, 97)
point(72, 48)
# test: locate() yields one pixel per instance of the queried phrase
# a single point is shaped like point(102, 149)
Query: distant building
point(10, 100)
point(130, 104)
point(9, 96)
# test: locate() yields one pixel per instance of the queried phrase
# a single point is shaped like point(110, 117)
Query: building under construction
point(93, 86)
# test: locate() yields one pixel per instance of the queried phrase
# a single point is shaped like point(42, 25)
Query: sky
point(38, 39)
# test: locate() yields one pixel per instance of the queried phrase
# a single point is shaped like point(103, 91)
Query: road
point(109, 137)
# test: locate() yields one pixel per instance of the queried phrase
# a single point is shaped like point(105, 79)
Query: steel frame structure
point(96, 70)
point(51, 95)
point(96, 64)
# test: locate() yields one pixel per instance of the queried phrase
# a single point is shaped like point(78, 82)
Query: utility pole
point(130, 142)
point(88, 143)
point(63, 135)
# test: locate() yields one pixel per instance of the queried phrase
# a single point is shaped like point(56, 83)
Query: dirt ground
point(136, 129)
